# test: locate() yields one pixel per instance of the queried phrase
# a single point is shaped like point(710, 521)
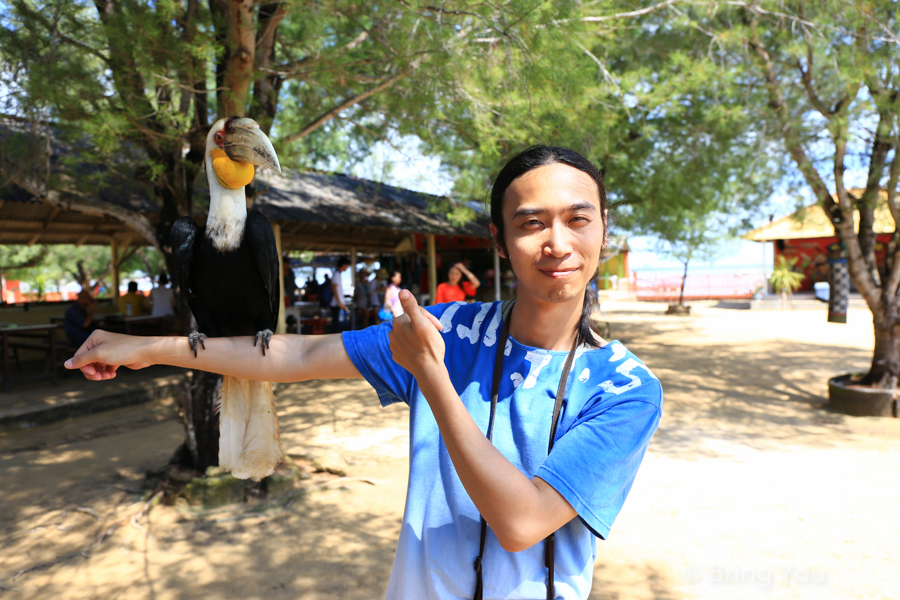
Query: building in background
point(613, 272)
point(807, 233)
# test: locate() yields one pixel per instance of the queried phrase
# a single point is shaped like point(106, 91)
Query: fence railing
point(697, 287)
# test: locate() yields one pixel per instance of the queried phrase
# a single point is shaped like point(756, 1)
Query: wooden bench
point(41, 338)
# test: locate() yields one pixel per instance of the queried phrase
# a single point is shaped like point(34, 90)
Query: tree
point(823, 78)
point(640, 95)
point(689, 238)
point(811, 90)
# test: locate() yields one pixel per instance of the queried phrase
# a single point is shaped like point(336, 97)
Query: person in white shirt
point(338, 308)
point(163, 299)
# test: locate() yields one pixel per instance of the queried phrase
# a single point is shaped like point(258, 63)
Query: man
point(461, 367)
point(79, 318)
point(340, 316)
point(132, 303)
point(361, 296)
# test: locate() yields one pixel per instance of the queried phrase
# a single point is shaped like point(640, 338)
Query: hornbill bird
point(229, 272)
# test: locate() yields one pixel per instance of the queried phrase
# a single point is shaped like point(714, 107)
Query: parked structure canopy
point(811, 222)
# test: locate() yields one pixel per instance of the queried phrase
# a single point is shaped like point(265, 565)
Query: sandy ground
point(750, 489)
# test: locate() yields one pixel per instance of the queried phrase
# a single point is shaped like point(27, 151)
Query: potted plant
point(785, 279)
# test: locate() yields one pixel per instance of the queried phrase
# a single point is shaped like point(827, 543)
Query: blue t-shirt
point(612, 408)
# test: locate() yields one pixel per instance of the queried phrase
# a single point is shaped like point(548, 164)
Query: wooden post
point(496, 274)
point(114, 247)
point(281, 324)
point(432, 269)
point(353, 282)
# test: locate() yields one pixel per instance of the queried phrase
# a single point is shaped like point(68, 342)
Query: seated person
point(453, 291)
point(132, 299)
point(79, 318)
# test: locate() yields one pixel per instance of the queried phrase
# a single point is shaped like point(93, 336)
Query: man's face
point(554, 232)
point(84, 299)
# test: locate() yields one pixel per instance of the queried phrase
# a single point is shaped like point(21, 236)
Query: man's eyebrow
point(539, 211)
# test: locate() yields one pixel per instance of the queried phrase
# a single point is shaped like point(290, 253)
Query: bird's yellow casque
point(230, 173)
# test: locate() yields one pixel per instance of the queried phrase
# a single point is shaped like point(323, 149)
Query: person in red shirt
point(453, 291)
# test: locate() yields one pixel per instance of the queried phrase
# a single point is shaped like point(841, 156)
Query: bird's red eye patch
point(219, 138)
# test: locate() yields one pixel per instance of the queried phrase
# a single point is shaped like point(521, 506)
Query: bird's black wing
point(261, 238)
point(182, 234)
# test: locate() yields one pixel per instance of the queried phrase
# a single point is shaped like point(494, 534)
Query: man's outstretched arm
point(289, 357)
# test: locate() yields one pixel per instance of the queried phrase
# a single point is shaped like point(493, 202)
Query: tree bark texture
point(236, 31)
point(885, 359)
point(267, 87)
point(201, 421)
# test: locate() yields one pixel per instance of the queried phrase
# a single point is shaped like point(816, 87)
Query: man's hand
point(416, 342)
point(104, 352)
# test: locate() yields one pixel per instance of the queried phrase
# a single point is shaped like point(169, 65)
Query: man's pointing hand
point(416, 342)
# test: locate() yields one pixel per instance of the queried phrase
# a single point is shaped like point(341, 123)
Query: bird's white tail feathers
point(249, 441)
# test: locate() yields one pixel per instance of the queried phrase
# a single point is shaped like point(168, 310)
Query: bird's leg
point(265, 335)
point(196, 338)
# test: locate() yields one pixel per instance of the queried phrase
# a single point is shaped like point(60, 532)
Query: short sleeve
point(594, 463)
point(369, 350)
point(468, 288)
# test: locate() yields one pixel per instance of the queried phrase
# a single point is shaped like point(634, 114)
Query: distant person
point(454, 290)
point(340, 316)
point(291, 291)
point(163, 299)
point(79, 318)
point(362, 297)
point(392, 295)
point(132, 303)
point(325, 292)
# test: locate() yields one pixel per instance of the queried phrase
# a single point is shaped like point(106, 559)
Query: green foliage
point(668, 120)
point(49, 268)
point(20, 256)
point(784, 278)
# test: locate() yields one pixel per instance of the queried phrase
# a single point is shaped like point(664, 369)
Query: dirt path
point(749, 490)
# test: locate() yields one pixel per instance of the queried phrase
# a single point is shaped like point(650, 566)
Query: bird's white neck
point(227, 212)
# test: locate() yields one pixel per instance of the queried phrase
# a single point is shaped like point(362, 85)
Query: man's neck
point(547, 325)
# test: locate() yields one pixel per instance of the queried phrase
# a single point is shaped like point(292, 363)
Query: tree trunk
point(236, 32)
point(201, 420)
point(683, 281)
point(885, 360)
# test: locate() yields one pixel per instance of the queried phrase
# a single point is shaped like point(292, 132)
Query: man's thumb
point(408, 301)
point(79, 360)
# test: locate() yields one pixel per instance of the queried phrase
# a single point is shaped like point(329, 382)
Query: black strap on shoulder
point(549, 558)
point(505, 309)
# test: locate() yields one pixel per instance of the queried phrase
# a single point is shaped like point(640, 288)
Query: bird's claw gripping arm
point(196, 338)
point(265, 335)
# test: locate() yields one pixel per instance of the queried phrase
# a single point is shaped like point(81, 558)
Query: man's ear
point(495, 234)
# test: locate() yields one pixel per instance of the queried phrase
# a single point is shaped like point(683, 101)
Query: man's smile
point(558, 272)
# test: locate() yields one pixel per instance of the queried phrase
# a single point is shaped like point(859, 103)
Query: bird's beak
point(245, 142)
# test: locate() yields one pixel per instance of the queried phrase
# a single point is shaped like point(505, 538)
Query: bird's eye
point(219, 138)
